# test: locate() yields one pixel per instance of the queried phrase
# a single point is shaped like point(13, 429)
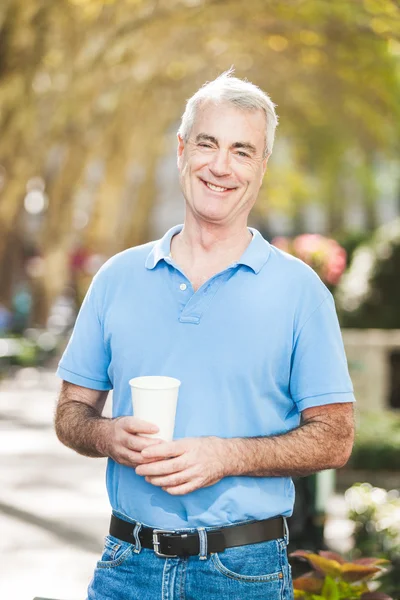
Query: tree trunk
point(56, 237)
point(10, 266)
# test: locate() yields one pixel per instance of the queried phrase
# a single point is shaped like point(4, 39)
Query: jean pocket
point(253, 563)
point(115, 552)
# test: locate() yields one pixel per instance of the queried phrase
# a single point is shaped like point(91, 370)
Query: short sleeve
point(319, 373)
point(86, 359)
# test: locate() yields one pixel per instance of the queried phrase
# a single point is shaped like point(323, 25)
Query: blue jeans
point(129, 572)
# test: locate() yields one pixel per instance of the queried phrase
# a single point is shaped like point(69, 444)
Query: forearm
point(80, 427)
point(312, 447)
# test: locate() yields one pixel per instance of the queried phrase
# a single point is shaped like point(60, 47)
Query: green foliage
point(376, 515)
point(351, 240)
point(333, 578)
point(377, 444)
point(89, 88)
point(369, 293)
point(27, 355)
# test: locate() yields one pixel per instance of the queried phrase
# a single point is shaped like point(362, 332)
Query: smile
point(216, 188)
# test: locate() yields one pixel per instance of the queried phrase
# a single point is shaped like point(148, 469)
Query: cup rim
point(144, 382)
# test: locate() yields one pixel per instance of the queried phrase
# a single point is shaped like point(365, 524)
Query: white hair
point(240, 93)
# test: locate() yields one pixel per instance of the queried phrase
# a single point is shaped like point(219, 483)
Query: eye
point(243, 154)
point(204, 145)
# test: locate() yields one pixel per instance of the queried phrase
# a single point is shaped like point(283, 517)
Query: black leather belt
point(170, 544)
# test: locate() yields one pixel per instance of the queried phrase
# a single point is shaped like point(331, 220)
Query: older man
point(252, 334)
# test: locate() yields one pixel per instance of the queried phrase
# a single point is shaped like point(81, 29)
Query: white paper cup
point(154, 399)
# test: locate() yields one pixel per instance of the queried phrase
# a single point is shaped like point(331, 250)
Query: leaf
point(352, 590)
point(330, 590)
point(299, 594)
point(320, 564)
point(332, 556)
point(371, 561)
point(300, 553)
point(307, 583)
point(324, 565)
point(354, 572)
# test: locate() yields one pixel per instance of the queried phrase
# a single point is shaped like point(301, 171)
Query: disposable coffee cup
point(154, 399)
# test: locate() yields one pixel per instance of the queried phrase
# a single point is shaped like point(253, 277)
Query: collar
point(255, 256)
point(162, 248)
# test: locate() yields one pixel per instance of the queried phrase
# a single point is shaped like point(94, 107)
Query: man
point(252, 334)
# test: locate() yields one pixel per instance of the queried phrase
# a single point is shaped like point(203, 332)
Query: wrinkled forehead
point(230, 124)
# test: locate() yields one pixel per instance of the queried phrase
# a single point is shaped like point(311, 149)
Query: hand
point(185, 465)
point(125, 445)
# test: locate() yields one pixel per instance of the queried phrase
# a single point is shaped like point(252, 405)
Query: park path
point(54, 511)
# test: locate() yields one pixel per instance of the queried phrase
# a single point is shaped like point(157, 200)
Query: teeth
point(216, 188)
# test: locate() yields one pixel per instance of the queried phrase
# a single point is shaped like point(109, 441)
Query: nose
point(220, 165)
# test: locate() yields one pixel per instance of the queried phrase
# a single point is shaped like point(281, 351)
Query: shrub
point(376, 515)
point(333, 578)
point(377, 445)
point(368, 295)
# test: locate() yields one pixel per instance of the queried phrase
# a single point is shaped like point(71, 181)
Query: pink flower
point(322, 254)
point(308, 244)
point(282, 243)
point(335, 265)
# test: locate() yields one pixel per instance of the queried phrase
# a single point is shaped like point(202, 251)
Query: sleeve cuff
point(321, 399)
point(87, 382)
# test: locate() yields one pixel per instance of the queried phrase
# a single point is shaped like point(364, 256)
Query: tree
point(100, 81)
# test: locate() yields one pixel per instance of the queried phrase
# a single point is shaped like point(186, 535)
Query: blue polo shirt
point(258, 343)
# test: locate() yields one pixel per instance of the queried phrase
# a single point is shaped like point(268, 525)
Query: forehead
point(229, 124)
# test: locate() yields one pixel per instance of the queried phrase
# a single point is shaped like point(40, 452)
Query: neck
point(200, 239)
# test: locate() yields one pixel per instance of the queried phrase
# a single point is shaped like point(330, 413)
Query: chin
point(212, 217)
point(213, 212)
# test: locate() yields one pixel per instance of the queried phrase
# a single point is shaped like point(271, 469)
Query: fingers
point(131, 446)
point(180, 490)
point(165, 450)
point(134, 425)
point(139, 443)
point(161, 467)
point(170, 480)
point(126, 442)
point(128, 458)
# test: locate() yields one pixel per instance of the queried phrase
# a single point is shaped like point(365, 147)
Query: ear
point(180, 150)
point(181, 145)
point(264, 165)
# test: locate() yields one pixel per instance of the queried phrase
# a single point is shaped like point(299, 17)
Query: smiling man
point(252, 334)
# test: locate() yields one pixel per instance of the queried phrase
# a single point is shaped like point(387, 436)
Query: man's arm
point(80, 426)
point(323, 440)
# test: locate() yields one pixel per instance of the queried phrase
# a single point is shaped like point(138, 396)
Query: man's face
point(222, 165)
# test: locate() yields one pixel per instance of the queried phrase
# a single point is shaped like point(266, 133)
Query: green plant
point(368, 295)
point(377, 445)
point(376, 515)
point(351, 240)
point(333, 578)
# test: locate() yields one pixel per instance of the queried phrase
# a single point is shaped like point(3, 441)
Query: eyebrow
point(246, 146)
point(210, 138)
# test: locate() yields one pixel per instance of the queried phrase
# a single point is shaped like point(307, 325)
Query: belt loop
point(286, 530)
point(203, 543)
point(136, 531)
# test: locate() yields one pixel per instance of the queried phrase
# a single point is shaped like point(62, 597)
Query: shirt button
point(183, 287)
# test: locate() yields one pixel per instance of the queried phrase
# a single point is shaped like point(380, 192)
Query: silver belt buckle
point(156, 543)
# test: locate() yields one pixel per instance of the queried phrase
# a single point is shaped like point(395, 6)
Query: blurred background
point(91, 93)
